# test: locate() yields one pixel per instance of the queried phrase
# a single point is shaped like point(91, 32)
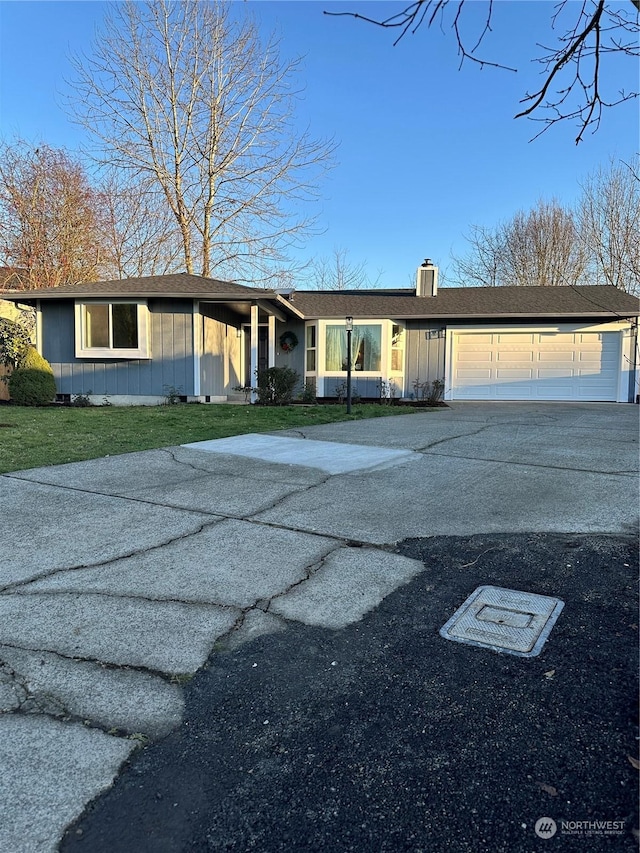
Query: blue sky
point(426, 150)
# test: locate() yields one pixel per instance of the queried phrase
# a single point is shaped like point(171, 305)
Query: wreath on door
point(288, 341)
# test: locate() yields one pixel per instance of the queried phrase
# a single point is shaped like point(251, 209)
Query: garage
point(562, 363)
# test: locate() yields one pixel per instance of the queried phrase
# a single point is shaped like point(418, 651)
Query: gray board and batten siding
point(295, 358)
point(424, 353)
point(221, 358)
point(170, 365)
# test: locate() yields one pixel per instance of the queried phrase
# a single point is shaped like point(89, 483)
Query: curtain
point(371, 335)
point(336, 347)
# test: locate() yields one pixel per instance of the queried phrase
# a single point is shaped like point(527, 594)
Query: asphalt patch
point(383, 736)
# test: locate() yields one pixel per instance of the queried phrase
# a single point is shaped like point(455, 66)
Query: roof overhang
point(454, 318)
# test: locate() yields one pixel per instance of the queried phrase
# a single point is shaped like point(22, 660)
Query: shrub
point(429, 392)
point(81, 401)
point(28, 387)
point(32, 360)
point(14, 342)
point(308, 394)
point(276, 385)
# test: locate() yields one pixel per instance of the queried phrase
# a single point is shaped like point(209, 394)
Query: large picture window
point(366, 345)
point(112, 330)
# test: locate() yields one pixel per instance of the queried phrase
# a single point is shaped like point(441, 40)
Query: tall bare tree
point(338, 272)
point(609, 222)
point(186, 96)
point(583, 36)
point(51, 220)
point(539, 247)
point(141, 236)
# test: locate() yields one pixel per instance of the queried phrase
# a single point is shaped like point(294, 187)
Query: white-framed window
point(311, 348)
point(397, 348)
point(366, 348)
point(112, 329)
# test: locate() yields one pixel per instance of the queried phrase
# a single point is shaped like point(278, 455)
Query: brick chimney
point(427, 279)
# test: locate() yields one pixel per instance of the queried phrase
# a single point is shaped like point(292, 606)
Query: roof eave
point(32, 295)
point(553, 315)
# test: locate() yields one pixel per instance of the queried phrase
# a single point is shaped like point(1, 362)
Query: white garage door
point(538, 365)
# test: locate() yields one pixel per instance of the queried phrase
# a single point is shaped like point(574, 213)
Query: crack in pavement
point(30, 701)
point(309, 572)
point(26, 593)
point(10, 587)
point(452, 438)
point(168, 678)
point(477, 458)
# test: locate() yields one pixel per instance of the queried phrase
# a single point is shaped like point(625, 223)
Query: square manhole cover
point(504, 620)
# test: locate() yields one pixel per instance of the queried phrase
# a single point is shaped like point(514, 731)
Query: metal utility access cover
point(504, 620)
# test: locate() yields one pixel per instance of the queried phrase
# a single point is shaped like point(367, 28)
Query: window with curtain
point(366, 346)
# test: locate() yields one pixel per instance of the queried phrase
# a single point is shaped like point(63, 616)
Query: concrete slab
point(350, 583)
point(50, 770)
point(326, 456)
point(112, 698)
point(233, 564)
point(158, 635)
point(590, 437)
point(134, 474)
point(235, 496)
point(440, 496)
point(53, 528)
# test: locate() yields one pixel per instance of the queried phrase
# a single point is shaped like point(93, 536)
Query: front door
point(263, 351)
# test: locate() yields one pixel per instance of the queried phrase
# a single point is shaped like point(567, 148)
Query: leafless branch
point(411, 18)
point(572, 67)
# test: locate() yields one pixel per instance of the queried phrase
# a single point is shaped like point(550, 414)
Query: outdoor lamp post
point(348, 322)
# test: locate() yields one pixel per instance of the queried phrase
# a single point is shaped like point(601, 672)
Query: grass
point(30, 438)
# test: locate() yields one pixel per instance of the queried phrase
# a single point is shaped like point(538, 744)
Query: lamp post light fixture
point(348, 324)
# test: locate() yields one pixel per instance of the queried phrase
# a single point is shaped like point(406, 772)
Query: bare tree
point(543, 247)
point(50, 216)
point(186, 97)
point(585, 34)
point(609, 223)
point(141, 236)
point(539, 247)
point(337, 272)
point(484, 265)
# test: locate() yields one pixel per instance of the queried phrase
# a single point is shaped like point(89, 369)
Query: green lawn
point(31, 437)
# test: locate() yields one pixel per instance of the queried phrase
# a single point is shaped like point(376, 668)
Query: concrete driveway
point(120, 576)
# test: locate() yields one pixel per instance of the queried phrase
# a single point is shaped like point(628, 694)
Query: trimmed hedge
point(32, 360)
point(29, 387)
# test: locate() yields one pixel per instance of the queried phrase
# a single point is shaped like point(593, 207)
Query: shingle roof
point(450, 302)
point(465, 302)
point(178, 284)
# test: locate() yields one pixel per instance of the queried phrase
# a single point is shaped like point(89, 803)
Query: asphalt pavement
point(236, 646)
